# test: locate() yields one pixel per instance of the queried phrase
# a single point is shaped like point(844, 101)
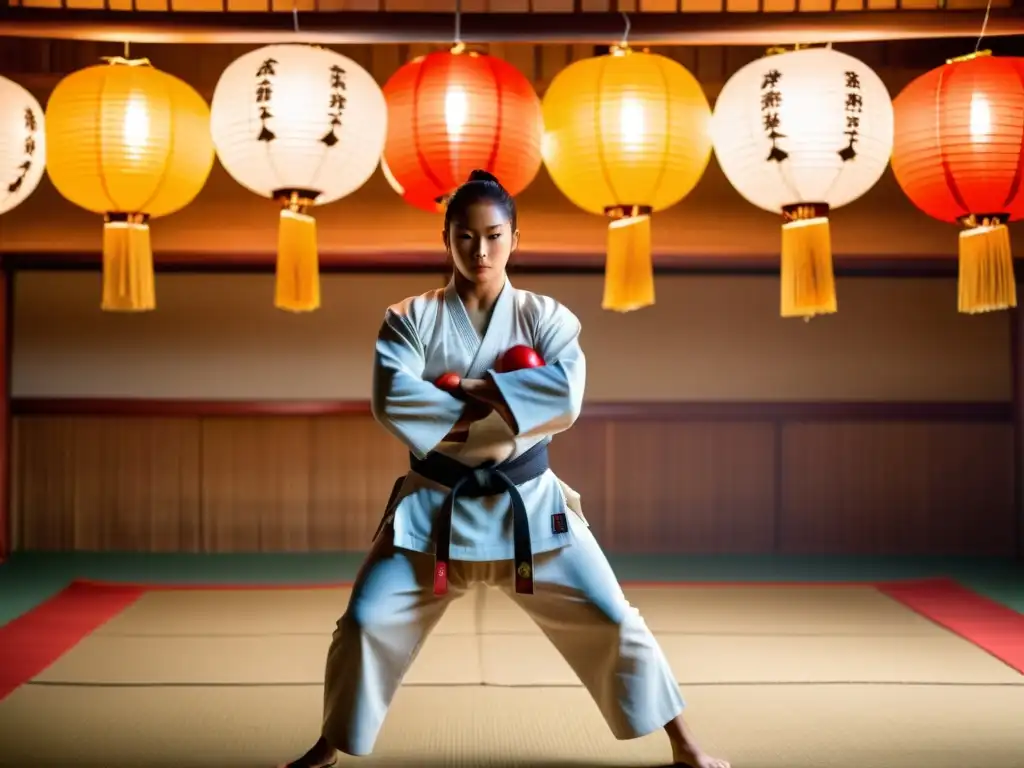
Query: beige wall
point(708, 338)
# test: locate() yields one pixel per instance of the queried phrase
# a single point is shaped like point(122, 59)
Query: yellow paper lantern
point(626, 135)
point(132, 143)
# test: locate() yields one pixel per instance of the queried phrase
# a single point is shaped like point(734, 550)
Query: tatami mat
point(784, 610)
point(724, 660)
point(756, 726)
point(713, 635)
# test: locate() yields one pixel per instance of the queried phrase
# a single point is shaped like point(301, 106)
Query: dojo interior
point(822, 522)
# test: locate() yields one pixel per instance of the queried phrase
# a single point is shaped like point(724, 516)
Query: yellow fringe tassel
point(986, 282)
point(629, 270)
point(808, 281)
point(127, 267)
point(298, 269)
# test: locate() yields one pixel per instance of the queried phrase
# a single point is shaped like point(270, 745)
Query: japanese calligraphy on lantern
point(22, 144)
point(264, 93)
point(771, 102)
point(853, 107)
point(336, 107)
point(31, 129)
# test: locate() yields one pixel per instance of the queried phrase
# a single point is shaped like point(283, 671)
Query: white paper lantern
point(801, 133)
point(22, 145)
point(303, 125)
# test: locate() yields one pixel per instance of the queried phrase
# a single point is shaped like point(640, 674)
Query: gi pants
point(578, 604)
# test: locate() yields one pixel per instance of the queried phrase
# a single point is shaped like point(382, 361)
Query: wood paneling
point(897, 488)
point(791, 482)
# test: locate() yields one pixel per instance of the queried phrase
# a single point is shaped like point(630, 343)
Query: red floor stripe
point(995, 628)
point(35, 640)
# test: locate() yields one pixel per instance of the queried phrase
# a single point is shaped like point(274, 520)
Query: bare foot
point(685, 751)
point(692, 756)
point(320, 755)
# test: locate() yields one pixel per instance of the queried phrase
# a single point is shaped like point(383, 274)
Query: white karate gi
point(578, 603)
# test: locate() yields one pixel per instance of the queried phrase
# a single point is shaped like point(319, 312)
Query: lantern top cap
point(620, 49)
point(121, 61)
point(775, 50)
point(968, 57)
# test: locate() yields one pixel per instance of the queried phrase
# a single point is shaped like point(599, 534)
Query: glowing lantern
point(304, 126)
point(132, 143)
point(22, 145)
point(626, 135)
point(802, 133)
point(451, 112)
point(959, 157)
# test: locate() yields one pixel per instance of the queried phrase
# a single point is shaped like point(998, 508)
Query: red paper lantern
point(959, 147)
point(959, 156)
point(451, 112)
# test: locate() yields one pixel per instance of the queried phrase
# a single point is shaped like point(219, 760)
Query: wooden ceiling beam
point(375, 27)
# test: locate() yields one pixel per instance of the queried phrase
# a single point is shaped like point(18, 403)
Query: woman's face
point(481, 241)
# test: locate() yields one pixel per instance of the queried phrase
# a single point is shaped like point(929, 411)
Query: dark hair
point(481, 187)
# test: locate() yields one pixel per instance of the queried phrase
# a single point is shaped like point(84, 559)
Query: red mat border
point(37, 639)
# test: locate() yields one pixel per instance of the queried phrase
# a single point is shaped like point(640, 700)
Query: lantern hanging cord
point(295, 16)
point(984, 26)
point(458, 45)
point(629, 24)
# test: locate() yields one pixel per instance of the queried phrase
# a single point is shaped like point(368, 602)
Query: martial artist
point(480, 503)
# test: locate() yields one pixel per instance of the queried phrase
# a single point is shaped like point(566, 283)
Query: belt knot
point(487, 480)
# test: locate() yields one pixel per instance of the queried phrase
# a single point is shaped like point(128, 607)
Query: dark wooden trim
point(597, 28)
point(789, 412)
point(524, 263)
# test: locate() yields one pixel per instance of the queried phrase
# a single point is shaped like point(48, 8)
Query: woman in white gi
point(480, 503)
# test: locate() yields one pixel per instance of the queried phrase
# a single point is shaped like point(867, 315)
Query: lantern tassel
point(986, 280)
point(298, 270)
point(629, 269)
point(127, 265)
point(808, 282)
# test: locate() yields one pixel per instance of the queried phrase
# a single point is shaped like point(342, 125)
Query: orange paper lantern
point(959, 156)
point(451, 112)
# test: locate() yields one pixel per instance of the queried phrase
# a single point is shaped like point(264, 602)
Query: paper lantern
point(451, 112)
point(132, 143)
point(959, 157)
point(626, 135)
point(801, 133)
point(22, 145)
point(305, 126)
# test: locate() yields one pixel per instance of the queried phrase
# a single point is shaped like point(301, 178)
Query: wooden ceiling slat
point(665, 22)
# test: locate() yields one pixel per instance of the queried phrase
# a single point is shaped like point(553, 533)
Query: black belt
point(488, 479)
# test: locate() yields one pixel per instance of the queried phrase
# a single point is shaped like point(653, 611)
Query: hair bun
point(479, 175)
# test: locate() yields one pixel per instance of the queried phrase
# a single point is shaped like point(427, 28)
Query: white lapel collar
point(498, 329)
point(460, 318)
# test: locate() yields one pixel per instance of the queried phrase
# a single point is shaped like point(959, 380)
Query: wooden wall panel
point(107, 484)
point(255, 478)
point(897, 488)
point(354, 466)
point(673, 485)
